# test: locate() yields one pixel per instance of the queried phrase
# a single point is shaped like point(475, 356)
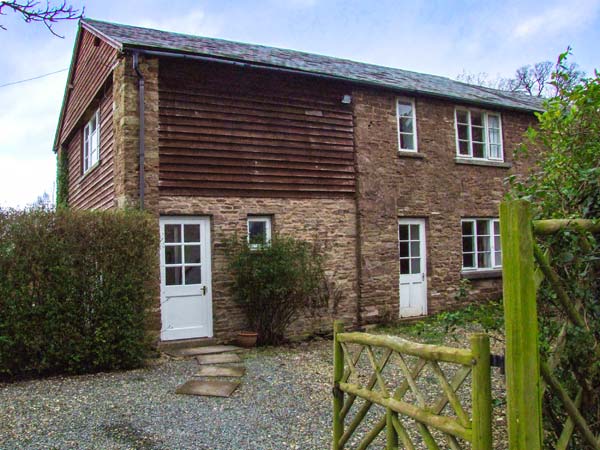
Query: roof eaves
point(170, 51)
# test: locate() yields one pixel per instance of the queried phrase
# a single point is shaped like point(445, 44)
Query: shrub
point(274, 282)
point(74, 290)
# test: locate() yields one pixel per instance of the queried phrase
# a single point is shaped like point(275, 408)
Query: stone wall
point(429, 185)
point(331, 222)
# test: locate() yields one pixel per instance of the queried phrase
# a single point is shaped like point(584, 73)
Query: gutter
point(237, 63)
point(141, 107)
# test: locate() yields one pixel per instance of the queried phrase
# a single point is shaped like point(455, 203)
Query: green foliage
point(62, 179)
point(273, 283)
point(74, 290)
point(486, 317)
point(565, 183)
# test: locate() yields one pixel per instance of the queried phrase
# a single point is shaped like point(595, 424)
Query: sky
point(430, 36)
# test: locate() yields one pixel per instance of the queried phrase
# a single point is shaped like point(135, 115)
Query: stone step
point(210, 388)
point(221, 371)
point(166, 346)
point(219, 358)
point(193, 351)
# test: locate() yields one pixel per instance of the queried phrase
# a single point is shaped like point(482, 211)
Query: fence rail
point(426, 416)
point(525, 267)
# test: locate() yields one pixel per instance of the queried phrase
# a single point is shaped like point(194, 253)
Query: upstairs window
point(481, 248)
point(91, 142)
point(478, 135)
point(259, 231)
point(407, 125)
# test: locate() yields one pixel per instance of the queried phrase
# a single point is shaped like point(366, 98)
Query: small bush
point(274, 282)
point(75, 289)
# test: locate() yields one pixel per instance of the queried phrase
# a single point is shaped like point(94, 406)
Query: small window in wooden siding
point(91, 142)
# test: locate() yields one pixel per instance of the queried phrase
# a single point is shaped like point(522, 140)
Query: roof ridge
point(134, 36)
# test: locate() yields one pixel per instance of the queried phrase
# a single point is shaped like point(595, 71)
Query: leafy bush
point(566, 184)
point(74, 290)
point(273, 283)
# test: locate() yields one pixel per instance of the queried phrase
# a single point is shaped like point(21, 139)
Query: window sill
point(481, 274)
point(477, 162)
point(408, 154)
point(90, 170)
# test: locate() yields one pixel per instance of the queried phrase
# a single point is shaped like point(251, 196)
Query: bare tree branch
point(35, 11)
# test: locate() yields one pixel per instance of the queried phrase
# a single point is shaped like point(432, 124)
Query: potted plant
point(272, 283)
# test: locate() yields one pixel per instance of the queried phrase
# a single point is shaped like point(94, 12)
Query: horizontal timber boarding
point(225, 130)
point(94, 62)
point(95, 189)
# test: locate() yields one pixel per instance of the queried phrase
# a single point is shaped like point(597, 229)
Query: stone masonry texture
point(433, 186)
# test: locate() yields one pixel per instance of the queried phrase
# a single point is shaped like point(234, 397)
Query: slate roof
point(130, 37)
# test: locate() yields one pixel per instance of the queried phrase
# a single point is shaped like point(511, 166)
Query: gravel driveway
point(284, 402)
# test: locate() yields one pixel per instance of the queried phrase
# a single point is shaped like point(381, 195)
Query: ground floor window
point(259, 231)
point(481, 244)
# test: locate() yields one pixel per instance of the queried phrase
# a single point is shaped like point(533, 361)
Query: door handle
point(203, 290)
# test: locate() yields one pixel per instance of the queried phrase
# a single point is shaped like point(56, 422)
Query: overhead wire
point(34, 78)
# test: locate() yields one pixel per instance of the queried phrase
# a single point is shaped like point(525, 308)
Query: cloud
point(562, 17)
point(193, 22)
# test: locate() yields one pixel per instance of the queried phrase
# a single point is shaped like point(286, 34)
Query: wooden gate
point(396, 377)
point(525, 267)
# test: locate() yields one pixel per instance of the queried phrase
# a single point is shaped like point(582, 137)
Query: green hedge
point(75, 290)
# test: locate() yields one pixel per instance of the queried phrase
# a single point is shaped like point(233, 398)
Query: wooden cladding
point(231, 131)
point(94, 189)
point(93, 64)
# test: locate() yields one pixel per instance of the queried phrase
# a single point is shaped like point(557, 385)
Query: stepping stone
point(202, 350)
point(219, 358)
point(221, 371)
point(208, 388)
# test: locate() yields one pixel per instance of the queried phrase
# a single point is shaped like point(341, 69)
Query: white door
point(413, 277)
point(185, 288)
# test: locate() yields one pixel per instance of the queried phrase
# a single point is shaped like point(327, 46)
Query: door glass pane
point(172, 254)
point(193, 275)
point(172, 233)
point(191, 233)
point(415, 265)
point(404, 266)
point(415, 248)
point(173, 276)
point(404, 250)
point(403, 232)
point(192, 254)
point(414, 232)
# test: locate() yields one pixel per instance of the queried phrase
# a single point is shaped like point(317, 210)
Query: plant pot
point(247, 339)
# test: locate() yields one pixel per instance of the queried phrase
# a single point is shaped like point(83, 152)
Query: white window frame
point(404, 100)
point(486, 134)
point(267, 220)
point(91, 143)
point(494, 263)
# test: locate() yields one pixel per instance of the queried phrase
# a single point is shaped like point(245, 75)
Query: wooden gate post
point(524, 403)
point(338, 395)
point(481, 392)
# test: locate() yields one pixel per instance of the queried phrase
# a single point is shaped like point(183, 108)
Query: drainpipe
point(141, 107)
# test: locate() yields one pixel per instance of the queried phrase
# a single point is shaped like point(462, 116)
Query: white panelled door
point(413, 277)
point(185, 291)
